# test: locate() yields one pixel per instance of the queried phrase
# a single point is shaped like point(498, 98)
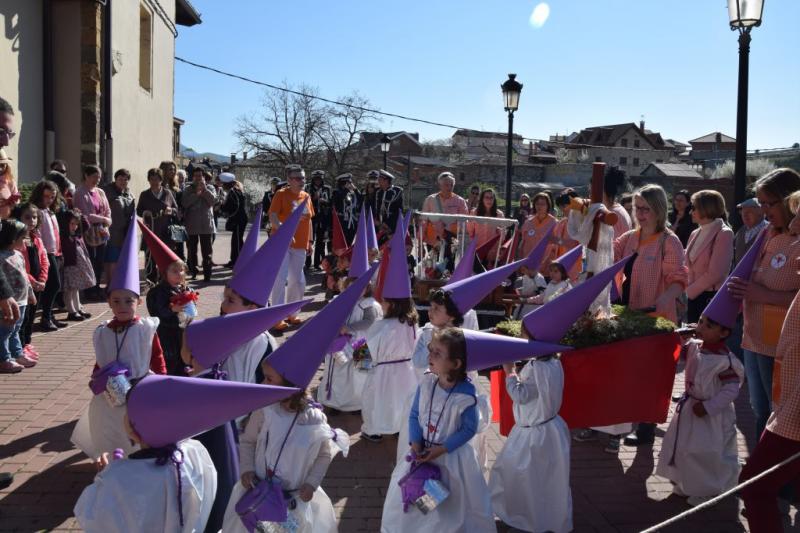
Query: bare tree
point(297, 128)
point(286, 127)
point(341, 129)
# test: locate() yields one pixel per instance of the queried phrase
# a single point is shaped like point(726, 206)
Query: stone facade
point(91, 82)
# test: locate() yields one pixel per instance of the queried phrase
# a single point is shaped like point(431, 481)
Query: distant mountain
point(192, 153)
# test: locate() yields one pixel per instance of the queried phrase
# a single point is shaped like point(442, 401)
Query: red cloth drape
point(626, 381)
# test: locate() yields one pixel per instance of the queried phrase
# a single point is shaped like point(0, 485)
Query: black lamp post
point(386, 144)
point(511, 90)
point(744, 15)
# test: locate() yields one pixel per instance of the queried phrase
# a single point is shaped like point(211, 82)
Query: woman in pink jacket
point(709, 251)
point(93, 204)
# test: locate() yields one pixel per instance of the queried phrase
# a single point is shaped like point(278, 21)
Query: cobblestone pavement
point(40, 407)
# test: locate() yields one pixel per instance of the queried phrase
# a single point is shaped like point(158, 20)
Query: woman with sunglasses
point(771, 288)
point(656, 275)
point(487, 207)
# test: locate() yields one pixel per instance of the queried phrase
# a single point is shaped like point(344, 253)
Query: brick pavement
point(40, 407)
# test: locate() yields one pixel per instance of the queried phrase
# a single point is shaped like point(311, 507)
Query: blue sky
point(593, 62)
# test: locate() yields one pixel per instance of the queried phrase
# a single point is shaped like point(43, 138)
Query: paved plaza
point(41, 405)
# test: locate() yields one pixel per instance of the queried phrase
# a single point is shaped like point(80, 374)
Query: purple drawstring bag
point(262, 503)
point(413, 484)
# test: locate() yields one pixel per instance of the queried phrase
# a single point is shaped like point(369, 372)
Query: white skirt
point(101, 429)
point(388, 389)
point(706, 454)
point(529, 481)
point(316, 516)
point(466, 510)
point(346, 383)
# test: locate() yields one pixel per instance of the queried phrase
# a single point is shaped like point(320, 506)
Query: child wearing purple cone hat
point(126, 347)
point(292, 444)
point(289, 446)
point(538, 447)
point(391, 380)
point(699, 453)
point(443, 313)
point(442, 422)
point(169, 484)
point(343, 379)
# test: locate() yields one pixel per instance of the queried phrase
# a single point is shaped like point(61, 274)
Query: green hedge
point(627, 324)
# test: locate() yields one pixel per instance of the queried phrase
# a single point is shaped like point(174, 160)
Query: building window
point(623, 142)
point(623, 160)
point(145, 48)
point(598, 159)
point(462, 176)
point(636, 143)
point(636, 161)
point(659, 160)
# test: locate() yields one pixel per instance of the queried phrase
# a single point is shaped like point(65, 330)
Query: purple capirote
point(166, 409)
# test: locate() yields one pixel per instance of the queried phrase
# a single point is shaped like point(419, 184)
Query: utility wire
point(411, 119)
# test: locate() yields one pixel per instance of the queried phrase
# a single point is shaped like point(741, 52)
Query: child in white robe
point(151, 477)
point(342, 382)
point(127, 342)
point(557, 285)
point(442, 422)
point(536, 449)
point(529, 284)
point(168, 485)
point(443, 313)
point(391, 380)
point(699, 453)
point(293, 442)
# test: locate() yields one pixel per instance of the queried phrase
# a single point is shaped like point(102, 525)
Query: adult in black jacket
point(235, 212)
point(347, 203)
point(388, 202)
point(321, 198)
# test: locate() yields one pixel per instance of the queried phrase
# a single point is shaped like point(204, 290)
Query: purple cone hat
point(467, 293)
point(211, 340)
point(571, 257)
point(250, 245)
point(126, 274)
point(359, 263)
point(551, 321)
point(463, 269)
point(485, 350)
point(372, 238)
point(723, 307)
point(298, 359)
point(256, 278)
point(397, 283)
point(166, 409)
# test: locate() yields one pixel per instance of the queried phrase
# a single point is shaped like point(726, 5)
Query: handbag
point(422, 487)
point(177, 233)
point(263, 503)
point(265, 507)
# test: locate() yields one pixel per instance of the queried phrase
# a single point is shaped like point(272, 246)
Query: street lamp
point(744, 15)
point(511, 90)
point(386, 144)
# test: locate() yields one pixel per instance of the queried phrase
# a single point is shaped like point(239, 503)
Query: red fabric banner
point(339, 243)
point(626, 381)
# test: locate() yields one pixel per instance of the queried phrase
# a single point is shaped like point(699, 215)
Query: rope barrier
point(722, 496)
